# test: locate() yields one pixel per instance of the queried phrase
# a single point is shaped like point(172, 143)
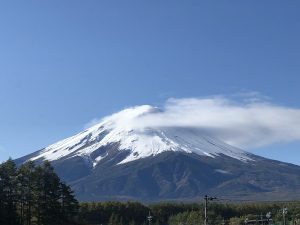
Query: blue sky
point(64, 63)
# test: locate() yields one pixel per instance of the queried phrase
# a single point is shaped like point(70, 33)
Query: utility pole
point(284, 212)
point(268, 216)
point(206, 199)
point(149, 217)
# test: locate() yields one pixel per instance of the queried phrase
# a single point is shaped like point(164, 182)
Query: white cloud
point(92, 123)
point(245, 121)
point(242, 124)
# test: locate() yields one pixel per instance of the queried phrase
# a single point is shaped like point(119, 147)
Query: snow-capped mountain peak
point(124, 129)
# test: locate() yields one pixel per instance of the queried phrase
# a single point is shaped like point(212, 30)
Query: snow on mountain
point(140, 141)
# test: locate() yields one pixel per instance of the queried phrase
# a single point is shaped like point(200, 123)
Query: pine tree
point(47, 195)
point(8, 190)
point(26, 182)
point(34, 195)
point(69, 205)
point(114, 220)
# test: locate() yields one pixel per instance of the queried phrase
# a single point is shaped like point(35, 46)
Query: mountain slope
point(136, 140)
point(189, 176)
point(122, 157)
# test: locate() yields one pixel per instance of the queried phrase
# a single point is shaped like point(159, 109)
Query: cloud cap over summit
point(249, 123)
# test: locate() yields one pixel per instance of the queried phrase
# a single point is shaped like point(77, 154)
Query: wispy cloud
point(92, 123)
point(246, 121)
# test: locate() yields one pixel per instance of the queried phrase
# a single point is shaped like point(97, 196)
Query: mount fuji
point(124, 157)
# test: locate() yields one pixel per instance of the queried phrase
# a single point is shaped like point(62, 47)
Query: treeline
point(113, 213)
point(34, 195)
point(133, 213)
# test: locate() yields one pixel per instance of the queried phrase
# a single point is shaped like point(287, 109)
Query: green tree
point(34, 195)
point(114, 220)
point(236, 221)
point(25, 190)
point(186, 218)
point(47, 195)
point(69, 205)
point(9, 195)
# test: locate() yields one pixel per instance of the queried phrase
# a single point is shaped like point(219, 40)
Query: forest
point(34, 195)
point(219, 213)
